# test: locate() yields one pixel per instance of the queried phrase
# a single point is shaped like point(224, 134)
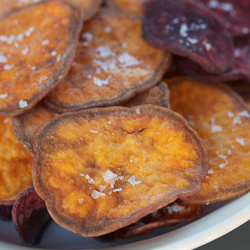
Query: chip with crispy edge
point(15, 168)
point(221, 118)
point(110, 66)
point(177, 212)
point(89, 7)
point(188, 29)
point(239, 71)
point(131, 6)
point(158, 95)
point(26, 124)
point(99, 170)
point(49, 29)
point(26, 209)
point(233, 14)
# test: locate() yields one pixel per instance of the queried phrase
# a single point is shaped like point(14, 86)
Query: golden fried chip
point(37, 48)
point(26, 124)
point(177, 212)
point(112, 64)
point(131, 6)
point(90, 7)
point(15, 168)
point(222, 120)
point(102, 169)
point(158, 95)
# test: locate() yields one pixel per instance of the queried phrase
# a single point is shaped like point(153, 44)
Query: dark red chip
point(240, 70)
point(234, 14)
point(5, 212)
point(29, 214)
point(189, 29)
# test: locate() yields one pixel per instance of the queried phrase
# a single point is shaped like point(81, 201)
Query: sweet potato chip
point(110, 66)
point(15, 168)
point(102, 169)
point(158, 95)
point(37, 48)
point(28, 209)
point(90, 7)
point(240, 70)
point(131, 6)
point(188, 29)
point(234, 14)
point(5, 212)
point(177, 212)
point(26, 124)
point(222, 120)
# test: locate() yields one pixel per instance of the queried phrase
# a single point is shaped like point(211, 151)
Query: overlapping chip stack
point(101, 126)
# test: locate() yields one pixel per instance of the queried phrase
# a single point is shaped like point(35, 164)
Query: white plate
point(218, 220)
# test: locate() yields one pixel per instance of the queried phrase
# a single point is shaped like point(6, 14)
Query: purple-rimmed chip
point(188, 28)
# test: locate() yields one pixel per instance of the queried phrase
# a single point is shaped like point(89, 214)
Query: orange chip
point(222, 120)
point(131, 6)
point(158, 95)
point(90, 7)
point(37, 48)
point(101, 169)
point(15, 168)
point(26, 124)
point(112, 64)
point(177, 212)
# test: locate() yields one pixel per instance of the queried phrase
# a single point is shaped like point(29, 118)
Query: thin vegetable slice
point(29, 215)
point(110, 66)
point(239, 71)
point(233, 14)
point(222, 120)
point(131, 6)
point(158, 95)
point(15, 168)
point(177, 212)
point(189, 29)
point(102, 169)
point(25, 125)
point(37, 48)
point(89, 7)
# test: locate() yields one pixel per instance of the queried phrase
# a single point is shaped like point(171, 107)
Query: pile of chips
point(101, 128)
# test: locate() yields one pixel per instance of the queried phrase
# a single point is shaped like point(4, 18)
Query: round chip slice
point(188, 29)
point(222, 120)
point(15, 168)
point(112, 64)
point(131, 6)
point(177, 212)
point(37, 48)
point(234, 14)
point(239, 71)
point(89, 7)
point(102, 169)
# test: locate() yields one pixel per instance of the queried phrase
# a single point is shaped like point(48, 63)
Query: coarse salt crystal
point(241, 141)
point(95, 194)
point(45, 42)
point(230, 114)
point(91, 181)
point(102, 188)
point(7, 67)
point(117, 190)
point(215, 128)
point(93, 131)
point(3, 59)
point(25, 51)
point(80, 200)
point(99, 82)
point(87, 176)
point(175, 208)
point(244, 113)
point(53, 53)
point(210, 171)
point(127, 60)
point(236, 120)
point(23, 104)
point(3, 96)
point(133, 181)
point(183, 30)
point(104, 51)
point(110, 178)
point(137, 111)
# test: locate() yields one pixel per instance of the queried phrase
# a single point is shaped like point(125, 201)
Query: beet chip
point(26, 124)
point(15, 167)
point(158, 95)
point(131, 6)
point(240, 70)
point(5, 212)
point(222, 120)
point(37, 48)
point(29, 215)
point(99, 170)
point(177, 212)
point(89, 7)
point(110, 66)
point(188, 29)
point(234, 14)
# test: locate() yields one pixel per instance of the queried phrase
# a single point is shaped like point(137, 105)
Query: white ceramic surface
point(217, 221)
